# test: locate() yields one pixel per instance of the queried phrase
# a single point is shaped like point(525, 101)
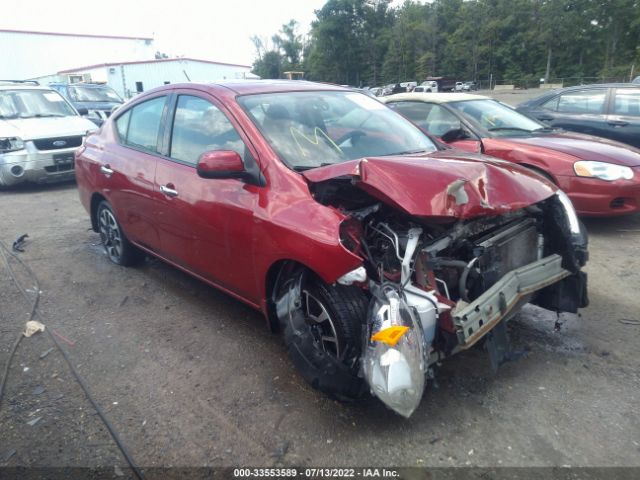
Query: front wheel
point(323, 337)
point(118, 247)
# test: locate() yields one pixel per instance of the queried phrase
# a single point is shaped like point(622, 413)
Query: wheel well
point(276, 275)
point(540, 171)
point(96, 198)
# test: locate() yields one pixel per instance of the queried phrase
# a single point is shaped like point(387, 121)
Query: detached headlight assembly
point(602, 170)
point(10, 144)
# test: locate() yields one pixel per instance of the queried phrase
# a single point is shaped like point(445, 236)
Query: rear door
point(581, 111)
point(127, 171)
point(624, 116)
point(206, 225)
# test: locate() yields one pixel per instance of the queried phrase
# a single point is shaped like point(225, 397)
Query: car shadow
point(28, 187)
point(608, 226)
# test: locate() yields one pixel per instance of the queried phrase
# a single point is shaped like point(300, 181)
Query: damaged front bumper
point(474, 320)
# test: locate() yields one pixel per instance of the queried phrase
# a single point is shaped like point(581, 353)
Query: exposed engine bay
point(439, 287)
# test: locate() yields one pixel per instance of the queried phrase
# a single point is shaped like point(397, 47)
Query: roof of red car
point(244, 87)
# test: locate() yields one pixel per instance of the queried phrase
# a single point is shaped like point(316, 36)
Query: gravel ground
point(191, 377)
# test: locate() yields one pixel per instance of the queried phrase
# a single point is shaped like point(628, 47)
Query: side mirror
point(83, 111)
point(220, 164)
point(453, 135)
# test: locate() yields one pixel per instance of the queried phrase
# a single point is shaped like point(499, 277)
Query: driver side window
point(198, 127)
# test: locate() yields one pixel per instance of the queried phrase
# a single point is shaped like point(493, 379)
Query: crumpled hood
point(446, 184)
point(584, 147)
point(48, 127)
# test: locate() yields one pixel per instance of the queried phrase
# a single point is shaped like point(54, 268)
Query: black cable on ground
point(83, 384)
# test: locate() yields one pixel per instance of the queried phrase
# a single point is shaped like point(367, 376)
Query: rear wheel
point(323, 337)
point(118, 248)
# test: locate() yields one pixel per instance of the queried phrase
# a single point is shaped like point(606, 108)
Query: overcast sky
point(215, 30)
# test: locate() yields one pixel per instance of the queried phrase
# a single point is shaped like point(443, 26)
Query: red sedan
point(375, 251)
point(602, 177)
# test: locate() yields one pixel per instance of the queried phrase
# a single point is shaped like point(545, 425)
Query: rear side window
point(583, 101)
point(627, 102)
point(139, 126)
point(198, 127)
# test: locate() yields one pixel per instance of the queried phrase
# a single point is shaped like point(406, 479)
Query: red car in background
point(377, 252)
point(602, 177)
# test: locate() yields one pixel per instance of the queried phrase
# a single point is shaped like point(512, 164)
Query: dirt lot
point(191, 377)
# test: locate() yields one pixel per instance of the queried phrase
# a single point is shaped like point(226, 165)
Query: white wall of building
point(123, 77)
point(32, 54)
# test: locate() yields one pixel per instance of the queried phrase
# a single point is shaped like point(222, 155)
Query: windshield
point(33, 103)
point(94, 94)
point(498, 119)
point(312, 129)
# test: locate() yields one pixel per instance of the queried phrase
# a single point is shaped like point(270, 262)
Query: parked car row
point(436, 84)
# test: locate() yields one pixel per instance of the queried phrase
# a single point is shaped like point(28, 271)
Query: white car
point(426, 87)
point(39, 134)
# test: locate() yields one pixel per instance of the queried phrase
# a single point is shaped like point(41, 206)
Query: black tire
point(329, 367)
point(117, 246)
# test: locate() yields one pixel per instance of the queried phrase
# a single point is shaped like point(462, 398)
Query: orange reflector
point(390, 335)
point(582, 171)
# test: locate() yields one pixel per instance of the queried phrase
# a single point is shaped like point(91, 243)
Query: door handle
point(169, 190)
point(618, 123)
point(106, 170)
point(545, 118)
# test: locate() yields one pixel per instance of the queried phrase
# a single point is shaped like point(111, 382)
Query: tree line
point(369, 42)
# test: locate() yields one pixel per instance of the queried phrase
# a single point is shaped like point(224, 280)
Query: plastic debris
point(118, 471)
point(31, 327)
point(34, 421)
point(18, 245)
point(45, 353)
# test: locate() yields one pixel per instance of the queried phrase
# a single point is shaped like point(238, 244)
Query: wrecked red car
point(376, 253)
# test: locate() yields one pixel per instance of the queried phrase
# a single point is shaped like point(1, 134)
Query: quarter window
point(627, 102)
point(144, 124)
point(122, 125)
point(198, 127)
point(583, 101)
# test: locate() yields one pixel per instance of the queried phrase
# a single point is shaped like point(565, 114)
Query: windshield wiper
point(406, 152)
point(304, 168)
point(497, 129)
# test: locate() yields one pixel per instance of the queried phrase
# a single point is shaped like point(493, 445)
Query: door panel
point(624, 120)
point(127, 170)
point(206, 225)
point(577, 111)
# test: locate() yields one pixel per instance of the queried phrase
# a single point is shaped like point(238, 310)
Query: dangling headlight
point(393, 359)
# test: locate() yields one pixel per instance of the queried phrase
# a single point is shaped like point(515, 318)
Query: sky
point(218, 30)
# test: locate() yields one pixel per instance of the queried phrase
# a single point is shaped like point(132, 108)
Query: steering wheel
point(352, 135)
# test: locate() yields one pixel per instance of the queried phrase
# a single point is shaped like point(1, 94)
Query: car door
point(581, 111)
point(127, 169)
point(206, 225)
point(624, 116)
